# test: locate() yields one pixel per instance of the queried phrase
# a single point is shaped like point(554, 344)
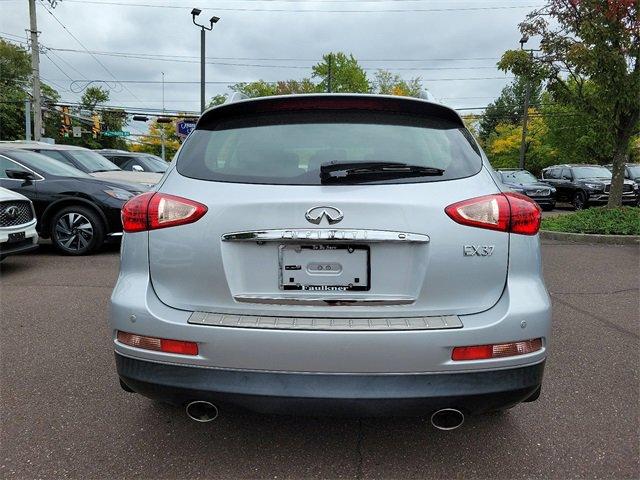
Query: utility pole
point(35, 71)
point(525, 121)
point(194, 13)
point(162, 128)
point(329, 68)
point(27, 120)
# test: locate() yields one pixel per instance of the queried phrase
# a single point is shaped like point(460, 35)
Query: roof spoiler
point(241, 105)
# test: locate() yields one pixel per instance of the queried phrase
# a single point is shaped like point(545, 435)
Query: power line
point(85, 48)
point(315, 10)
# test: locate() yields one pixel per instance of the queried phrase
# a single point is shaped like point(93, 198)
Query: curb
point(586, 238)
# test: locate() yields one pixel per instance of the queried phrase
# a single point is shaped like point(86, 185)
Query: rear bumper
point(473, 392)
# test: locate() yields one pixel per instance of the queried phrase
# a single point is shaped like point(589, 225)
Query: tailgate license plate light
point(324, 268)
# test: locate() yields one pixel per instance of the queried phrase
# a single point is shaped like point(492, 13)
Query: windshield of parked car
point(591, 172)
point(92, 161)
point(290, 148)
point(634, 170)
point(519, 176)
point(44, 165)
point(154, 164)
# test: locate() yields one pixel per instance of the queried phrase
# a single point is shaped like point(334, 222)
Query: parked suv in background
point(77, 211)
point(584, 185)
point(87, 161)
point(334, 253)
point(524, 182)
point(631, 172)
point(135, 161)
point(17, 224)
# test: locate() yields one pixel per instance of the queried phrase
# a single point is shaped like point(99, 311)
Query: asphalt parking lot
point(64, 415)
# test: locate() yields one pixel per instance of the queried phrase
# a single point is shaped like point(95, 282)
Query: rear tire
point(579, 201)
point(77, 230)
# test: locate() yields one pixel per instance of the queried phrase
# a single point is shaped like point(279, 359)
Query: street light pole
point(162, 129)
point(194, 13)
point(35, 72)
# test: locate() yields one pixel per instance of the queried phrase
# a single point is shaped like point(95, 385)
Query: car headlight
point(594, 186)
point(119, 194)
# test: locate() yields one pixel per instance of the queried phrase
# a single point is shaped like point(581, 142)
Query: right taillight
point(150, 211)
point(505, 212)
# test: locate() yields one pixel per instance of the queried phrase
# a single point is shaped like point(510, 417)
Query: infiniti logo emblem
point(11, 212)
point(316, 214)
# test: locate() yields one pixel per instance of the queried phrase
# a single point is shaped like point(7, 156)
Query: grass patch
point(602, 221)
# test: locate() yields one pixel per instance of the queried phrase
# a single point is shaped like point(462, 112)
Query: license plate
point(324, 268)
point(16, 237)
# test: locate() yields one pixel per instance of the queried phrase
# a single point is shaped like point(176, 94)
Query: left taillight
point(152, 210)
point(505, 212)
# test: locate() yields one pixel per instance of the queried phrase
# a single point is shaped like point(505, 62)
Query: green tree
point(387, 83)
point(575, 136)
point(509, 106)
point(218, 99)
point(596, 44)
point(15, 85)
point(343, 73)
point(259, 88)
point(94, 96)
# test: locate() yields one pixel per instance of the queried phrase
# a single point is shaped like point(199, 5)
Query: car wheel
point(579, 201)
point(76, 230)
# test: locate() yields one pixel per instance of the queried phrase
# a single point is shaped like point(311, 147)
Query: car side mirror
point(20, 175)
point(137, 168)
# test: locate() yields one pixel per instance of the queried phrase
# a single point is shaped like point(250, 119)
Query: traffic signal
point(96, 125)
point(66, 122)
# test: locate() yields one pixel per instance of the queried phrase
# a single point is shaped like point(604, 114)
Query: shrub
point(604, 221)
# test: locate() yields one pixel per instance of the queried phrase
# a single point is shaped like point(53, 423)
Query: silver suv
point(324, 254)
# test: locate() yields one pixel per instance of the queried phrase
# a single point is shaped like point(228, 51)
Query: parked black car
point(77, 211)
point(135, 161)
point(631, 172)
point(585, 185)
point(524, 182)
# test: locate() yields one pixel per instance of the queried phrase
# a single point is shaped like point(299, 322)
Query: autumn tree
point(502, 146)
point(388, 83)
point(596, 45)
point(509, 106)
point(152, 142)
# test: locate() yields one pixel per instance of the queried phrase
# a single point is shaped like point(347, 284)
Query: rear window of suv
point(289, 148)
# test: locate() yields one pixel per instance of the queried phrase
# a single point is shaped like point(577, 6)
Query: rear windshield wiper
point(337, 171)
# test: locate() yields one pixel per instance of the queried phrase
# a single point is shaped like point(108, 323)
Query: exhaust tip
point(202, 411)
point(447, 419)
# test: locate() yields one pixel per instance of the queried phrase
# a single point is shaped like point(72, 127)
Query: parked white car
point(17, 224)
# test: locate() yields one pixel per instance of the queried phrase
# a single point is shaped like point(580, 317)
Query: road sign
point(77, 132)
point(184, 128)
point(115, 133)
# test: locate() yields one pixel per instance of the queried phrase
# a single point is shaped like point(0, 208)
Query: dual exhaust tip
point(445, 419)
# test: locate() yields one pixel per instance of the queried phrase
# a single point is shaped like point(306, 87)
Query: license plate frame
point(305, 275)
point(16, 237)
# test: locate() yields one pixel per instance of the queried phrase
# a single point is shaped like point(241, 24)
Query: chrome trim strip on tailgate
point(323, 301)
point(324, 235)
point(350, 324)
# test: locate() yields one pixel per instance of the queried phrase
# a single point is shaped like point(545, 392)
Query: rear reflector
point(158, 344)
point(484, 352)
point(505, 212)
point(150, 211)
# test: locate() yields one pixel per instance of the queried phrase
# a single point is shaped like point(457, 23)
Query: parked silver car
point(324, 254)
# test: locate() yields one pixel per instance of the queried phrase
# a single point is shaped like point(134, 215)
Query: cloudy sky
point(448, 43)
